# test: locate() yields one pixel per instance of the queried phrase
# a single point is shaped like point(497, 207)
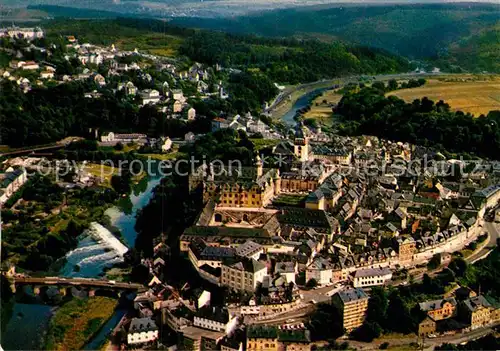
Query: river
point(303, 101)
point(29, 322)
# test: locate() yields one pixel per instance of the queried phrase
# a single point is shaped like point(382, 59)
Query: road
point(493, 230)
point(428, 344)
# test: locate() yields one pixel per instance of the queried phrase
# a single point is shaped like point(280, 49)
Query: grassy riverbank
point(77, 321)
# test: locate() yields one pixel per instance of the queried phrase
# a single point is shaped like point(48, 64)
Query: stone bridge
point(89, 284)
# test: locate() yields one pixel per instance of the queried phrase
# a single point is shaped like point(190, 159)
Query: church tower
point(301, 145)
point(260, 166)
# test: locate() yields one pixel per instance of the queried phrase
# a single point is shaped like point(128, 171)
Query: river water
point(289, 117)
point(29, 322)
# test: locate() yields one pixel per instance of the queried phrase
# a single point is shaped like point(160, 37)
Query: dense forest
point(289, 60)
point(46, 115)
point(452, 35)
point(421, 122)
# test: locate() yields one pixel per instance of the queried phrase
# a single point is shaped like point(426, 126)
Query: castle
point(240, 187)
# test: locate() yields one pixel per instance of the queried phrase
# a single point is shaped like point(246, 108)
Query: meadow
point(77, 321)
point(474, 96)
point(321, 107)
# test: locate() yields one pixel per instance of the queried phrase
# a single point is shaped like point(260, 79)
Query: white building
point(129, 88)
point(177, 107)
point(30, 65)
point(46, 75)
point(243, 274)
point(142, 331)
point(287, 269)
point(250, 249)
point(123, 138)
point(149, 96)
point(166, 144)
point(22, 33)
point(371, 277)
point(10, 182)
point(177, 94)
point(215, 318)
point(320, 270)
point(191, 114)
point(203, 299)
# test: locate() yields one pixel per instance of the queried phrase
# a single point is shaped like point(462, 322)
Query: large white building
point(215, 318)
point(10, 182)
point(142, 331)
point(371, 277)
point(22, 33)
point(243, 274)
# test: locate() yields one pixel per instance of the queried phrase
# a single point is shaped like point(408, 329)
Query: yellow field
point(476, 97)
point(322, 111)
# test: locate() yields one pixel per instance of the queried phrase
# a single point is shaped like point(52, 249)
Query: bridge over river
point(84, 283)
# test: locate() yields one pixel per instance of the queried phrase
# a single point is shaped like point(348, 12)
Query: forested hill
point(290, 60)
point(457, 36)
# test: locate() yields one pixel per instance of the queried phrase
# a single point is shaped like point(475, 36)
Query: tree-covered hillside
point(418, 31)
point(290, 60)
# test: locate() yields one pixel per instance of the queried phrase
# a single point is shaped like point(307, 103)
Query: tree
point(392, 85)
point(367, 332)
point(379, 86)
point(311, 283)
point(434, 262)
point(377, 306)
point(400, 317)
point(459, 266)
point(325, 323)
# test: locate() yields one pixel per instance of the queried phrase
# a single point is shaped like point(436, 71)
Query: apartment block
point(353, 305)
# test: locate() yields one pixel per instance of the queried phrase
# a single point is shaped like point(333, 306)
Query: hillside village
point(317, 218)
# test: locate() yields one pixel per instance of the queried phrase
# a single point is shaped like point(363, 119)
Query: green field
point(77, 321)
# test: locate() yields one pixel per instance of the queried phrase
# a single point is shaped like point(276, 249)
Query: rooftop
point(476, 302)
point(138, 325)
point(350, 295)
point(435, 304)
point(262, 332)
point(245, 264)
point(298, 336)
point(226, 231)
point(215, 313)
point(372, 272)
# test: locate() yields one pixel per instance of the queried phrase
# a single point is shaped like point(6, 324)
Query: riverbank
point(296, 93)
point(77, 321)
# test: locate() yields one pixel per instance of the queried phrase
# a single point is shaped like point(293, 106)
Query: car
point(432, 336)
